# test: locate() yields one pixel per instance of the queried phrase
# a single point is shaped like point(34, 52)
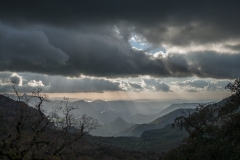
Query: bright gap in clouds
point(140, 43)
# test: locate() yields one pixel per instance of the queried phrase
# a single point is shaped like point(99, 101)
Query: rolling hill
point(110, 129)
point(138, 129)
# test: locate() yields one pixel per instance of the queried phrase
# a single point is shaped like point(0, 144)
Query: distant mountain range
point(132, 112)
point(138, 129)
point(110, 129)
point(156, 135)
point(107, 111)
point(89, 146)
point(175, 106)
point(120, 127)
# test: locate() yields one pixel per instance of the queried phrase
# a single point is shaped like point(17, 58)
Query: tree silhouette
point(214, 130)
point(29, 133)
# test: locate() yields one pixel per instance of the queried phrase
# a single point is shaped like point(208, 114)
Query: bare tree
point(29, 133)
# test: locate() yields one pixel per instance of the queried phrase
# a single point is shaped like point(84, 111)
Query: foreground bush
point(214, 130)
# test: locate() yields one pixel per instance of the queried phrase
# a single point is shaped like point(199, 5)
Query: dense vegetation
point(214, 130)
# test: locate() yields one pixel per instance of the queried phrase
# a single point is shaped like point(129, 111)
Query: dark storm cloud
point(206, 64)
point(91, 37)
point(31, 46)
point(104, 52)
point(212, 64)
point(175, 21)
point(99, 53)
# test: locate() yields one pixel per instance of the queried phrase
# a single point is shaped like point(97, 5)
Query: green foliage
point(214, 130)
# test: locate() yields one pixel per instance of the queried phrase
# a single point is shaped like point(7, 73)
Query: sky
point(128, 49)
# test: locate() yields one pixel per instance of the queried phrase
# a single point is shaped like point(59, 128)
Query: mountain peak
point(119, 119)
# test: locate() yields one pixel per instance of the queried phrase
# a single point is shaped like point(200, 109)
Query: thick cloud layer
point(31, 46)
point(99, 54)
point(57, 84)
point(92, 38)
point(199, 20)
